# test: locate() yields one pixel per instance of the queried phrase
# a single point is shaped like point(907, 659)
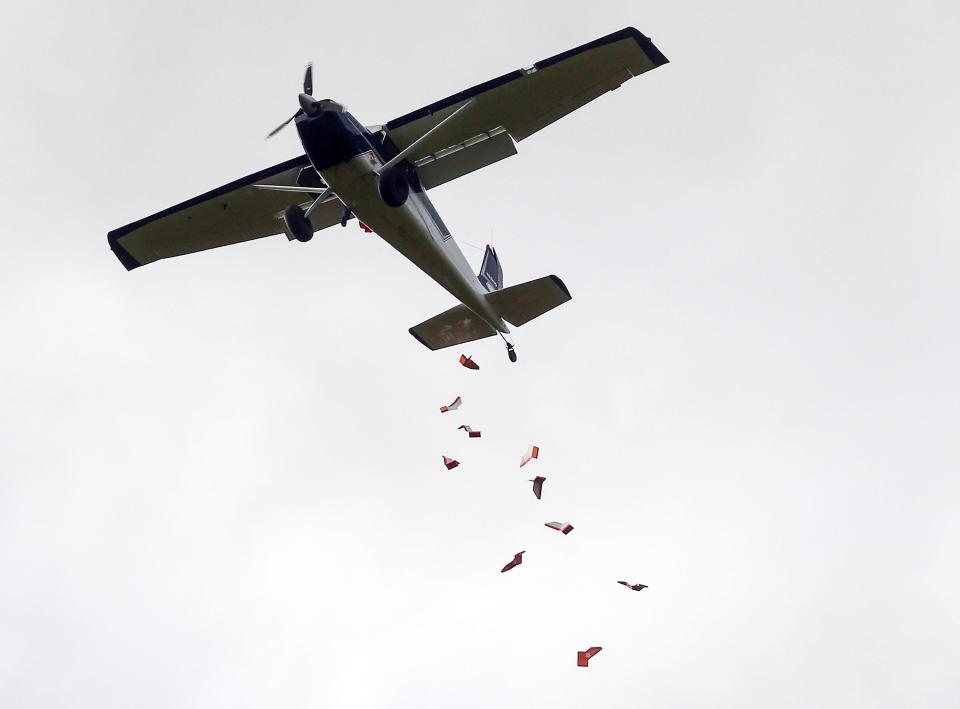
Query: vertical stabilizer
point(491, 273)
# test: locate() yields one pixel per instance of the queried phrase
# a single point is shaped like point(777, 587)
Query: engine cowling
point(394, 187)
point(296, 225)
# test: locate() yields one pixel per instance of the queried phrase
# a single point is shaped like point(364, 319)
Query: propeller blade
point(308, 80)
point(282, 125)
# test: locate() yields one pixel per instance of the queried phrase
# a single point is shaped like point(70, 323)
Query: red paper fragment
point(537, 485)
point(517, 560)
point(468, 363)
point(450, 463)
point(564, 527)
point(532, 452)
point(633, 586)
point(583, 656)
point(452, 407)
point(470, 432)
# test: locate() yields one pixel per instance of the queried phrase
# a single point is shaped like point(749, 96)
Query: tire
point(297, 225)
point(394, 187)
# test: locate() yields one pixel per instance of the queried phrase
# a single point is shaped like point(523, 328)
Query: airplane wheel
point(297, 224)
point(511, 354)
point(394, 187)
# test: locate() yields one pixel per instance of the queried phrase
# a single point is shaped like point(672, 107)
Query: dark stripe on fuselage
point(333, 138)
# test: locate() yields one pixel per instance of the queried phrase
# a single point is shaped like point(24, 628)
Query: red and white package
point(452, 407)
point(532, 453)
point(564, 527)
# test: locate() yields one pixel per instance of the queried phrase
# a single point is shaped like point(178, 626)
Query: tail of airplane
point(491, 273)
point(517, 305)
point(522, 303)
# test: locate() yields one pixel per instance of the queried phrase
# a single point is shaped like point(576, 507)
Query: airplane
point(380, 175)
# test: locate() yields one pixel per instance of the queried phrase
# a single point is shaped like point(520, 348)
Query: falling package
point(537, 485)
point(452, 407)
point(468, 363)
point(470, 432)
point(532, 452)
point(564, 527)
point(583, 656)
point(450, 463)
point(517, 560)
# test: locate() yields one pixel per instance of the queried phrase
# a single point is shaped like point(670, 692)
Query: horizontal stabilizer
point(522, 303)
point(452, 327)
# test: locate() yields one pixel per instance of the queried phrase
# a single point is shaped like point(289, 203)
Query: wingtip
point(128, 261)
point(647, 45)
point(562, 286)
point(420, 339)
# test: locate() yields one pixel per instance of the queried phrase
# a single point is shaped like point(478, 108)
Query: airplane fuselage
point(348, 157)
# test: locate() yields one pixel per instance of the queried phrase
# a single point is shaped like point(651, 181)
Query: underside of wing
point(227, 215)
point(516, 105)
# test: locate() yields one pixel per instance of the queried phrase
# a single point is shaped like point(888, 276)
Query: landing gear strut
point(510, 353)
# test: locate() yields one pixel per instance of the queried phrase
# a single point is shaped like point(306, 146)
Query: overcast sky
point(220, 475)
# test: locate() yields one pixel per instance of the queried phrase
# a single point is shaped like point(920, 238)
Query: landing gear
point(345, 217)
point(297, 224)
point(510, 353)
point(394, 187)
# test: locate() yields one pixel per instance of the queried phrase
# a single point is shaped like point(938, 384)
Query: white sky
point(221, 482)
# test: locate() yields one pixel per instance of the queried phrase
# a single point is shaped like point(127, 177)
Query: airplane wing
point(516, 105)
point(227, 215)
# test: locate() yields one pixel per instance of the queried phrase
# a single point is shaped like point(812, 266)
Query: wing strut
point(406, 151)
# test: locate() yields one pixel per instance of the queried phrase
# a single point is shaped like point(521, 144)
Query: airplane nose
point(309, 104)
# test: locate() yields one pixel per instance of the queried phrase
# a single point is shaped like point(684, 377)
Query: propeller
point(308, 105)
point(308, 80)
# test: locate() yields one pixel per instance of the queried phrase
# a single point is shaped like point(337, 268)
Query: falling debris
point(517, 560)
point(453, 407)
point(633, 586)
point(450, 463)
point(583, 656)
point(470, 432)
point(468, 362)
point(564, 527)
point(365, 228)
point(538, 485)
point(532, 452)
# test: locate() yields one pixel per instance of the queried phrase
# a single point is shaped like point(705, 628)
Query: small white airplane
point(381, 174)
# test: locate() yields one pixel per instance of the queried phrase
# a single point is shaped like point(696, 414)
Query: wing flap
point(446, 166)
